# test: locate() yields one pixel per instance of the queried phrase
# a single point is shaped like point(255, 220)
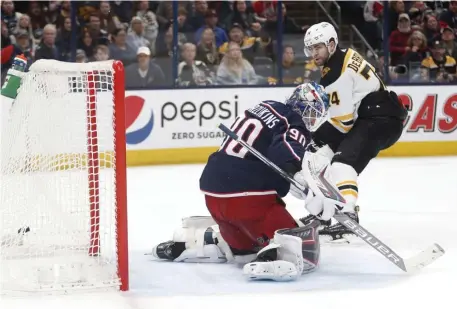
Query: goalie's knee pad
point(291, 253)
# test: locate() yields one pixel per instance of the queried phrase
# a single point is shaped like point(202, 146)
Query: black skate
point(169, 250)
point(338, 233)
point(310, 218)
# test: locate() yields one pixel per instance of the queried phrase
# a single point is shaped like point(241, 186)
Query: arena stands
point(167, 44)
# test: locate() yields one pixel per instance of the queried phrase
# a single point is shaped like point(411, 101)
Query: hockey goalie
point(249, 223)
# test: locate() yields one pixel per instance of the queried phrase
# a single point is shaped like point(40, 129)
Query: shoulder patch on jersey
point(334, 68)
point(325, 71)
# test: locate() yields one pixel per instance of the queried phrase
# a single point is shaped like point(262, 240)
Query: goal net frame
point(93, 157)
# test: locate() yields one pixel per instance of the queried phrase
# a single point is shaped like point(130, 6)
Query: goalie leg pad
point(291, 253)
point(206, 254)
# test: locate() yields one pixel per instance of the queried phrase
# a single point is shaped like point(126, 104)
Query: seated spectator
point(416, 51)
point(144, 74)
point(198, 17)
point(87, 43)
point(63, 40)
point(81, 56)
point(265, 10)
point(312, 72)
point(193, 72)
point(395, 9)
point(120, 50)
point(47, 48)
point(123, 10)
point(183, 26)
point(207, 51)
point(399, 38)
point(234, 69)
point(6, 37)
point(449, 17)
point(292, 73)
point(448, 38)
point(23, 24)
point(416, 16)
point(99, 36)
point(431, 28)
point(164, 43)
point(52, 12)
point(250, 46)
point(211, 20)
point(164, 54)
point(151, 26)
point(101, 53)
point(439, 67)
point(37, 17)
point(136, 36)
point(64, 13)
point(22, 46)
point(9, 16)
point(12, 50)
point(164, 11)
point(108, 21)
point(245, 17)
point(85, 9)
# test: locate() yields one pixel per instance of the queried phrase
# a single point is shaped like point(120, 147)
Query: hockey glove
point(322, 208)
point(297, 193)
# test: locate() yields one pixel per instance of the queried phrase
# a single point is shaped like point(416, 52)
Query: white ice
point(408, 203)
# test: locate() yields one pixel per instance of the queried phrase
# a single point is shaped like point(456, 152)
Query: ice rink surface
point(408, 203)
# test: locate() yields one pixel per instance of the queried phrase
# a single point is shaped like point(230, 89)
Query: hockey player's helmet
point(311, 102)
point(320, 33)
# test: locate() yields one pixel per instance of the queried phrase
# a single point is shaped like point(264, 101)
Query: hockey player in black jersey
point(363, 118)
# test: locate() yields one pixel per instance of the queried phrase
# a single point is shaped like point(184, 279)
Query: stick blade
point(424, 258)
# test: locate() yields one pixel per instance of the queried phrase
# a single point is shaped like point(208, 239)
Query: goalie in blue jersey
point(249, 221)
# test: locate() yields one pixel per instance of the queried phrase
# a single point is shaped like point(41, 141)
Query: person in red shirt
point(398, 39)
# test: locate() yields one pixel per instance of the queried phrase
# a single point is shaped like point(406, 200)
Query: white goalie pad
point(205, 254)
point(196, 232)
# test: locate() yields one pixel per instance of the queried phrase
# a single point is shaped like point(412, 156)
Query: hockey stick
point(414, 263)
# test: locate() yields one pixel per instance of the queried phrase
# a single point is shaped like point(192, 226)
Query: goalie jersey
point(273, 129)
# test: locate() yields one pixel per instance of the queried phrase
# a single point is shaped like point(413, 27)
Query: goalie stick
point(411, 264)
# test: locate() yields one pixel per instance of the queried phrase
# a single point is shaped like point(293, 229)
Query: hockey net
point(63, 223)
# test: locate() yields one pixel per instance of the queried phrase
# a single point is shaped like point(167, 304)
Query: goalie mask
point(311, 102)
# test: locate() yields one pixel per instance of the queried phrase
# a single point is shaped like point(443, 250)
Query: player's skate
point(310, 218)
point(333, 233)
point(168, 250)
point(338, 233)
point(195, 241)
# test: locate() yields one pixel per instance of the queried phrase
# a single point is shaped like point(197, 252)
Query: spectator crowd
point(421, 39)
point(222, 42)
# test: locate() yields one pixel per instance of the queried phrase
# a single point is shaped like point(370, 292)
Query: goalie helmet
point(320, 33)
point(311, 102)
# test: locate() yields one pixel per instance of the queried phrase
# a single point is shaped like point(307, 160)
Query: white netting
point(58, 204)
